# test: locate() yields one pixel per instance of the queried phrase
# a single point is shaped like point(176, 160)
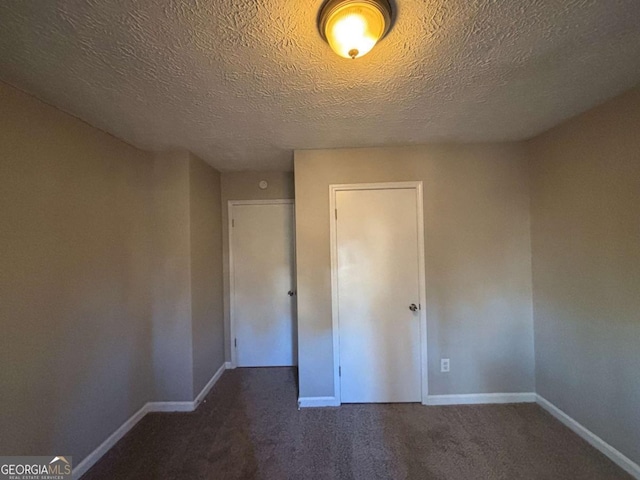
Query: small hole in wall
point(262, 185)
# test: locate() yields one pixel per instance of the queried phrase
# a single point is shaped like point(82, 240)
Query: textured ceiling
point(243, 82)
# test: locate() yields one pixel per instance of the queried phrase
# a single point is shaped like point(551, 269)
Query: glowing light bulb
point(353, 28)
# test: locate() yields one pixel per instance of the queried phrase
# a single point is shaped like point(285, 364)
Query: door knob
point(291, 293)
point(413, 307)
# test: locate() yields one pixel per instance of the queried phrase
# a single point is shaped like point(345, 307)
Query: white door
point(263, 290)
point(378, 281)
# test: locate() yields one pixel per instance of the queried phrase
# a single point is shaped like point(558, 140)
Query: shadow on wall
point(102, 375)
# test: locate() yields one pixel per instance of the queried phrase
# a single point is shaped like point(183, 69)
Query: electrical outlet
point(444, 365)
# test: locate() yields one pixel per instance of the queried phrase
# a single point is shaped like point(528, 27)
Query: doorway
point(262, 283)
point(378, 291)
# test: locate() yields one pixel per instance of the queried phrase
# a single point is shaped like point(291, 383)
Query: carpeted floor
point(249, 428)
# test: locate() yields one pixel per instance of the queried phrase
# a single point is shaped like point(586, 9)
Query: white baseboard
point(105, 446)
point(229, 366)
point(315, 402)
point(170, 406)
point(209, 385)
point(614, 455)
point(480, 398)
point(468, 399)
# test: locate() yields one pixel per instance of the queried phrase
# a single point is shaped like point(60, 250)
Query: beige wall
point(477, 255)
point(76, 265)
point(206, 272)
point(171, 306)
point(244, 186)
point(188, 322)
point(586, 269)
point(110, 276)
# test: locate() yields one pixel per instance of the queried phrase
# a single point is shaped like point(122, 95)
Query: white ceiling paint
point(243, 82)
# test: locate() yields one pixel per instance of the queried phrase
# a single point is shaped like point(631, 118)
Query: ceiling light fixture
point(353, 27)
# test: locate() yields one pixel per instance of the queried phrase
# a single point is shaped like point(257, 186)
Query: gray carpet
point(249, 428)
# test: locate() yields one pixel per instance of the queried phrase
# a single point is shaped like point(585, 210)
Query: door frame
point(232, 287)
point(335, 317)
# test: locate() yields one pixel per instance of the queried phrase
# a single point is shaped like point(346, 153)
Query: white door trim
point(230, 205)
point(335, 320)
